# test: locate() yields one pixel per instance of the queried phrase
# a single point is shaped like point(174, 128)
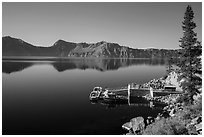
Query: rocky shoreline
point(137, 125)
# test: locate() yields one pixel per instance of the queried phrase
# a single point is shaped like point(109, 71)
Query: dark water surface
point(52, 97)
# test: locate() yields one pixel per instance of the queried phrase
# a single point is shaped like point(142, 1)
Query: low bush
point(167, 126)
point(176, 125)
point(194, 110)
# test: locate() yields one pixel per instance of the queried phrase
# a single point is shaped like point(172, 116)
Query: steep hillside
point(17, 47)
point(113, 50)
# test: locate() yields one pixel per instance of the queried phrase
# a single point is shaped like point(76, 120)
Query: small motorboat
point(95, 94)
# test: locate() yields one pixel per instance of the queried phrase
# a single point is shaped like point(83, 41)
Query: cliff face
point(100, 49)
point(113, 50)
point(16, 47)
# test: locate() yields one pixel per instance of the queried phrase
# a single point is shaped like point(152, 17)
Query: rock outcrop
point(135, 126)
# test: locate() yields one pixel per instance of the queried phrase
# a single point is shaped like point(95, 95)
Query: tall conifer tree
point(190, 64)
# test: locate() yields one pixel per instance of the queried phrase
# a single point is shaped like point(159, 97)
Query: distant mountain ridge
point(17, 47)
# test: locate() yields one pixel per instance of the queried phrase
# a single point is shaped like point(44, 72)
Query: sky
point(136, 25)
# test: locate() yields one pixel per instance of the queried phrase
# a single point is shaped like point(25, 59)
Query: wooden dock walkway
point(116, 89)
point(130, 94)
point(132, 87)
point(139, 90)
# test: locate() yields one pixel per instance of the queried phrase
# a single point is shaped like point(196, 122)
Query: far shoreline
point(64, 58)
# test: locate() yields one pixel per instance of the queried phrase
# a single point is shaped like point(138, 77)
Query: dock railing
point(116, 89)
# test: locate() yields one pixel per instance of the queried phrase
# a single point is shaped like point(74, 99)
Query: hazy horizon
point(136, 25)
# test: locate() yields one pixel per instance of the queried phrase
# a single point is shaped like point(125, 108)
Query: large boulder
point(197, 97)
point(198, 127)
point(138, 124)
point(127, 126)
point(196, 120)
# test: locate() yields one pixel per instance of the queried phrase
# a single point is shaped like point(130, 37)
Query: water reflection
point(134, 101)
point(10, 66)
point(52, 97)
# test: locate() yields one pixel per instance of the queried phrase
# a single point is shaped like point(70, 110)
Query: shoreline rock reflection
point(10, 66)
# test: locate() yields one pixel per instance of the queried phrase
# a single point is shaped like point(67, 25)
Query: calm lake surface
point(52, 96)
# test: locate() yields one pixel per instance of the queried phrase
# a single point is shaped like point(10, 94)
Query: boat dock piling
point(129, 90)
point(151, 92)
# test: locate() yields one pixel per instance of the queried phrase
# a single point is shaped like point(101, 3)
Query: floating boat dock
point(138, 90)
point(129, 95)
point(135, 90)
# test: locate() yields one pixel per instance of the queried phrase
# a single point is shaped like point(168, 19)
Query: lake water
point(52, 96)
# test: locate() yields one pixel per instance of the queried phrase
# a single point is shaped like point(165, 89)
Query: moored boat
point(95, 94)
